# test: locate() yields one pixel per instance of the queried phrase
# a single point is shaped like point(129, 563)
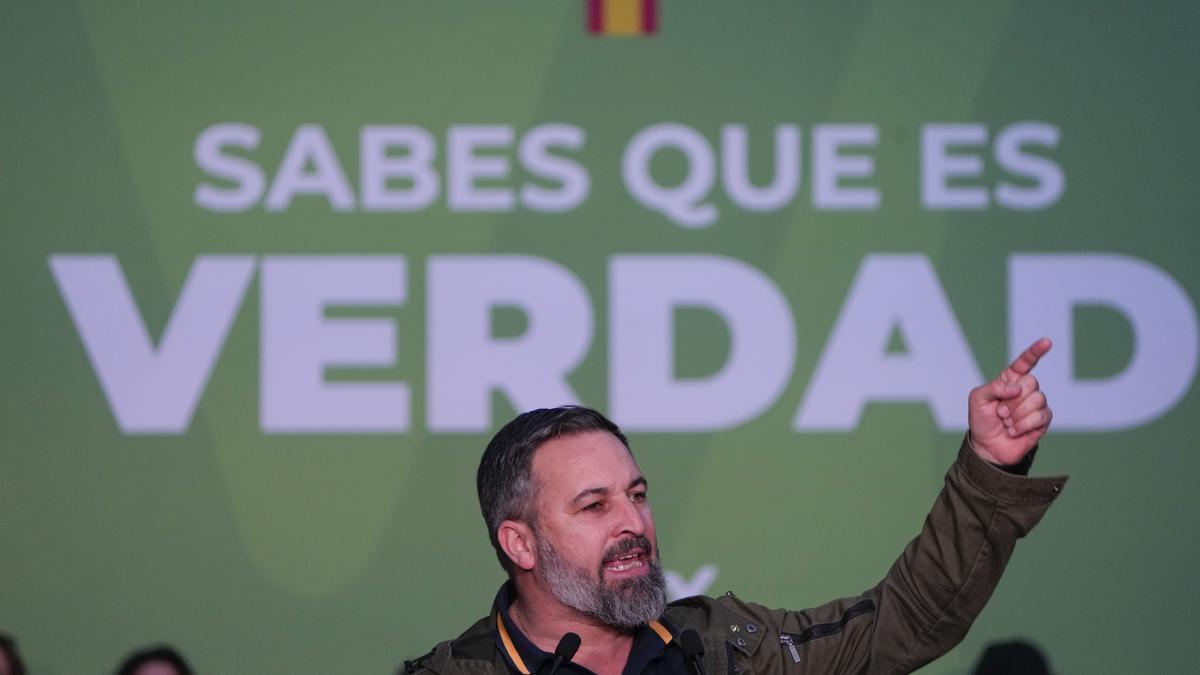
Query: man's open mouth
point(628, 561)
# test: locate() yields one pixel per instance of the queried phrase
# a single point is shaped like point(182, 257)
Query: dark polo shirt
point(654, 650)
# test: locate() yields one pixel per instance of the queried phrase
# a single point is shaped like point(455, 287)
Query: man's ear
point(516, 538)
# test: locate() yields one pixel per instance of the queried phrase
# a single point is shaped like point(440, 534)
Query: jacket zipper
point(864, 606)
point(791, 645)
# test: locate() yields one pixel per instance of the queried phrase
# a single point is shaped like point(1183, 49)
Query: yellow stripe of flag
point(622, 17)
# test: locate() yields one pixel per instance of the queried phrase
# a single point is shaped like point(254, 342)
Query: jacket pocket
point(791, 641)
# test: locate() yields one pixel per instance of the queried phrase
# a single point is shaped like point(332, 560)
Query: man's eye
point(638, 497)
point(594, 506)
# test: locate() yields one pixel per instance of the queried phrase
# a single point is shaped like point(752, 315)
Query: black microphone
point(693, 649)
point(567, 646)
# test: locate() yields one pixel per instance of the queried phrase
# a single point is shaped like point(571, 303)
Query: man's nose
point(630, 518)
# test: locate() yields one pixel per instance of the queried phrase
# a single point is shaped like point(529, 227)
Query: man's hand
point(1009, 415)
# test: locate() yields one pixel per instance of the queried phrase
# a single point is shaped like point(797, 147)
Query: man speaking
point(567, 511)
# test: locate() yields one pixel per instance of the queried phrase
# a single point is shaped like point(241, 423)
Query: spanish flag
point(622, 17)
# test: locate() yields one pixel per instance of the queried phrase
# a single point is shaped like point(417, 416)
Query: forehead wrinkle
point(581, 457)
point(640, 481)
point(590, 492)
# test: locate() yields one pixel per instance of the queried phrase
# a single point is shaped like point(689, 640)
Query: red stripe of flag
point(649, 16)
point(595, 11)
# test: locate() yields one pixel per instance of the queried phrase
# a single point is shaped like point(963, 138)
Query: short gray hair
point(505, 477)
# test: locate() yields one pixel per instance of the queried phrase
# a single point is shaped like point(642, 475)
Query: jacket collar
point(525, 657)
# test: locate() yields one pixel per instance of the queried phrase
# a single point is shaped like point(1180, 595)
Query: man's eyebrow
point(640, 481)
point(590, 492)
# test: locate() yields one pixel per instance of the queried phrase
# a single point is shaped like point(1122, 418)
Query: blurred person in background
point(1012, 658)
point(10, 660)
point(157, 660)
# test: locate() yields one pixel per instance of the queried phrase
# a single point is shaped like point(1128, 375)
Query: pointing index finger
point(1027, 360)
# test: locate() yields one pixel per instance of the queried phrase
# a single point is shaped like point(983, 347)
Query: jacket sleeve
point(940, 583)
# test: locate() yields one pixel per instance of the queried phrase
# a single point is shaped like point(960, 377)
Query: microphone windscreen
point(567, 646)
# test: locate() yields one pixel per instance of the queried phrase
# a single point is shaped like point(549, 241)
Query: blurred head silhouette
point(158, 660)
point(1012, 658)
point(10, 659)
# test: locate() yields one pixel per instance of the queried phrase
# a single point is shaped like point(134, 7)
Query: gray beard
point(627, 605)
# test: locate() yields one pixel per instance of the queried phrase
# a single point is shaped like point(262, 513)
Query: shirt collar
point(525, 657)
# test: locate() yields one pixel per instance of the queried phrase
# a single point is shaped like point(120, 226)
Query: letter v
point(678, 587)
point(152, 390)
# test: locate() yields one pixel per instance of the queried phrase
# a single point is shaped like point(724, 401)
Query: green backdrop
point(261, 549)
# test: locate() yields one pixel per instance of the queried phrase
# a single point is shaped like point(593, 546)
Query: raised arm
point(944, 577)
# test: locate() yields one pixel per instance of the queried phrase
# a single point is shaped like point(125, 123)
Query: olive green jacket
point(921, 609)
